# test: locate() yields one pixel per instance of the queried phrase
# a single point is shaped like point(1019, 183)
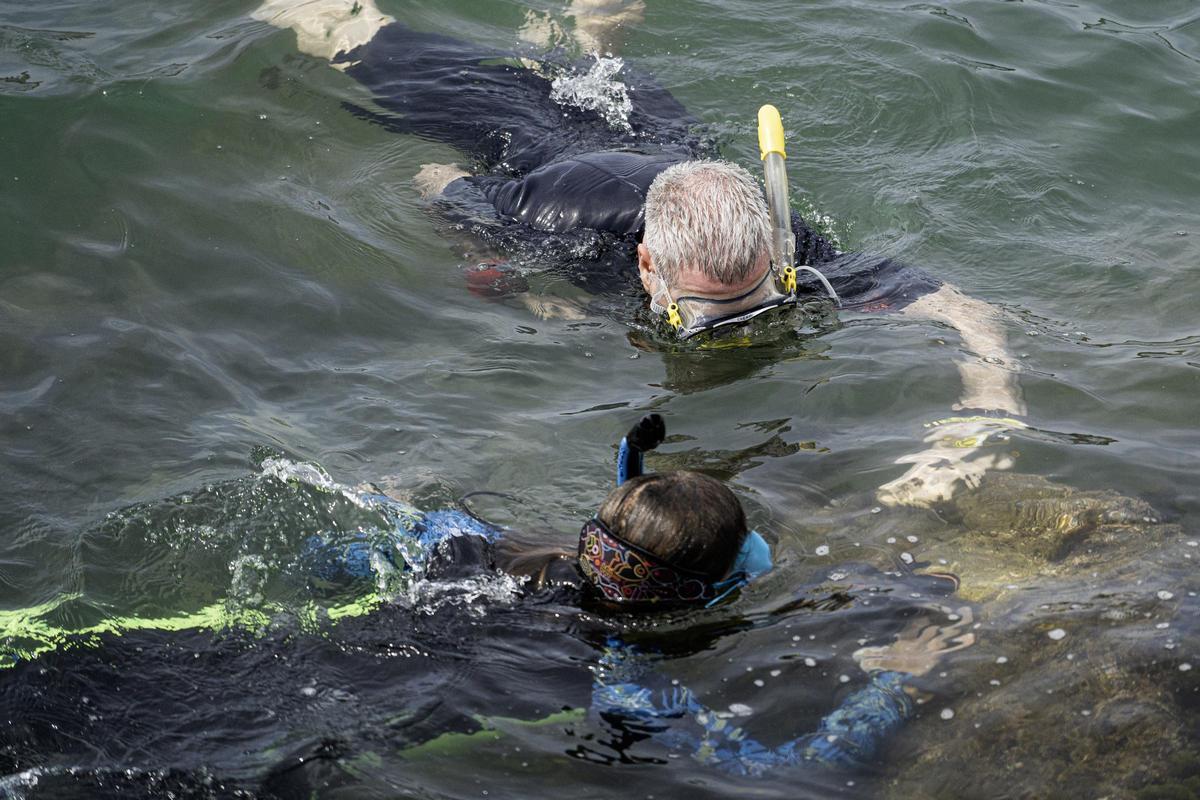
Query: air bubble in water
point(250, 574)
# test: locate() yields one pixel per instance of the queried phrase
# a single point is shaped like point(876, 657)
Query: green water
point(202, 252)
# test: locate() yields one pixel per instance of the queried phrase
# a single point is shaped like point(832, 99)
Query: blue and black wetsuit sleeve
point(446, 542)
point(849, 737)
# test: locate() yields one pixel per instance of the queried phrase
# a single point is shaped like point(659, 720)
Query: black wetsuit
point(560, 178)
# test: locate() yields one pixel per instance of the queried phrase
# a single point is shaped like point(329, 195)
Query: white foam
point(286, 470)
point(474, 594)
point(597, 90)
point(14, 786)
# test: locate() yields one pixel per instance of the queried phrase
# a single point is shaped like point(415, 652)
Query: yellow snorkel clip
point(674, 319)
point(787, 279)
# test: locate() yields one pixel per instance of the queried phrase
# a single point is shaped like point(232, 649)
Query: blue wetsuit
point(554, 178)
point(415, 535)
point(625, 687)
point(848, 737)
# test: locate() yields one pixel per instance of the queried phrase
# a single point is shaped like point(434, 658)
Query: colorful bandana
point(627, 574)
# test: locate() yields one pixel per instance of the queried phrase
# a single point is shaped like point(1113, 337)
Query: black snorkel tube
point(646, 435)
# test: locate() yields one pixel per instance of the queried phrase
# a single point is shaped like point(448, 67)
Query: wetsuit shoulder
point(604, 191)
point(863, 282)
point(812, 248)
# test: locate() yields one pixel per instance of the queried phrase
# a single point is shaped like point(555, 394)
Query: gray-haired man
point(621, 178)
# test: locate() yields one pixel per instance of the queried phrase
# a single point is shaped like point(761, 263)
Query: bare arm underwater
point(991, 398)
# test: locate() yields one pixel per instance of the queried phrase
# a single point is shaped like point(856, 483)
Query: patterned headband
point(625, 573)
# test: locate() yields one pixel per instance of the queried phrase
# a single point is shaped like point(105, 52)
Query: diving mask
point(690, 315)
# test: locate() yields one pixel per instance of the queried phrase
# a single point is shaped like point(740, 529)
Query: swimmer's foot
point(954, 459)
point(432, 179)
point(595, 29)
point(596, 21)
point(542, 30)
point(325, 28)
point(548, 306)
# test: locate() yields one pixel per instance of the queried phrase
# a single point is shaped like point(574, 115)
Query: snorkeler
point(670, 541)
point(557, 172)
point(674, 542)
point(673, 538)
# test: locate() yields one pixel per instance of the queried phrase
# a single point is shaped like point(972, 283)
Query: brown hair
point(685, 518)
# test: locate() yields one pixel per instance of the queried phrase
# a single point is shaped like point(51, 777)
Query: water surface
point(205, 261)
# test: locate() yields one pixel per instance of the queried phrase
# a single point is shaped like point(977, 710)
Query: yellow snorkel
point(783, 242)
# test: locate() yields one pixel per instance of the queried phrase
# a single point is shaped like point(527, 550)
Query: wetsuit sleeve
point(413, 536)
point(584, 213)
point(850, 736)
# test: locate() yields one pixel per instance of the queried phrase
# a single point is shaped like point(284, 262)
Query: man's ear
point(646, 269)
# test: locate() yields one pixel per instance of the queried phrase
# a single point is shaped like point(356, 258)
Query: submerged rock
point(1016, 528)
point(1078, 686)
point(1104, 713)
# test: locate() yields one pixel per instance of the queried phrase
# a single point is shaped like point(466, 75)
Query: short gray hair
point(709, 216)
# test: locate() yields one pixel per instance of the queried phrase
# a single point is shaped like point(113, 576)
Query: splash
point(597, 90)
point(474, 595)
point(312, 475)
point(15, 785)
point(253, 535)
point(247, 588)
